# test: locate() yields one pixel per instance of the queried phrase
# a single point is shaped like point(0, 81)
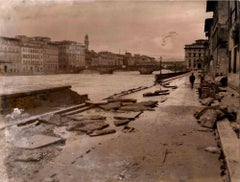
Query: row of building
point(23, 54)
point(105, 58)
point(219, 54)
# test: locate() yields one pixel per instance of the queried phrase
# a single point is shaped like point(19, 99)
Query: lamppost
point(160, 65)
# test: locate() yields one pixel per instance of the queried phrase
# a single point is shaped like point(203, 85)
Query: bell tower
point(86, 41)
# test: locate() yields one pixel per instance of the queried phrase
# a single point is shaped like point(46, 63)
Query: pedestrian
point(192, 80)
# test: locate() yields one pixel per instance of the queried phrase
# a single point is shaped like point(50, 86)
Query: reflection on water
point(95, 85)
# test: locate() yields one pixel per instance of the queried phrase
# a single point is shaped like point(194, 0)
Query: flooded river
point(95, 85)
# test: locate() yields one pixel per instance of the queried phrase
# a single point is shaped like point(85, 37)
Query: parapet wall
point(42, 99)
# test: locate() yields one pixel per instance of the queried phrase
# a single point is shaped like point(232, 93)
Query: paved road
point(139, 156)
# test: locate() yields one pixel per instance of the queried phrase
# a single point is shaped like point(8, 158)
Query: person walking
point(192, 80)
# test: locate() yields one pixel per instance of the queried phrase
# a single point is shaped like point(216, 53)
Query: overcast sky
point(154, 28)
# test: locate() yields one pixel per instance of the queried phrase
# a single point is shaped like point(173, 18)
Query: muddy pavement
point(166, 145)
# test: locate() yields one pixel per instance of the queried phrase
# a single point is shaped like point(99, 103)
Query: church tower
point(86, 41)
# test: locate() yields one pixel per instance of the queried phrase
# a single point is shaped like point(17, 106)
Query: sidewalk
point(166, 146)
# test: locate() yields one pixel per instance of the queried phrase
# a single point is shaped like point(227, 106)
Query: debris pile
point(127, 105)
point(219, 104)
point(208, 116)
point(123, 93)
point(207, 89)
point(16, 114)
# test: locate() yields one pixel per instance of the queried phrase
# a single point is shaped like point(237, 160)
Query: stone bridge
point(143, 69)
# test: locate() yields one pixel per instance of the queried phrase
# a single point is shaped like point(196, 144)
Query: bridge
point(143, 69)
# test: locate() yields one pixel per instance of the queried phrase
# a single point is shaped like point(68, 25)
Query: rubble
point(122, 100)
point(236, 127)
point(207, 101)
point(121, 122)
point(91, 127)
point(96, 102)
point(55, 119)
point(213, 150)
point(124, 116)
point(102, 132)
point(31, 158)
point(111, 106)
point(128, 129)
point(198, 114)
point(37, 141)
point(221, 81)
point(208, 119)
point(140, 106)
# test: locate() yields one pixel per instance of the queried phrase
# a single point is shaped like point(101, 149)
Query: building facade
point(106, 58)
point(31, 54)
point(217, 32)
point(233, 43)
point(222, 31)
point(50, 61)
point(195, 54)
point(9, 55)
point(71, 56)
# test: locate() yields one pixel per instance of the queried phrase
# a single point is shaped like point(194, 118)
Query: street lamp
point(160, 65)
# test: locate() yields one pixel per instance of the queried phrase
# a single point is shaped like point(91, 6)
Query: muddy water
point(95, 85)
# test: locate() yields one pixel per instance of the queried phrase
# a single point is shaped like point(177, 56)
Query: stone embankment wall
point(43, 99)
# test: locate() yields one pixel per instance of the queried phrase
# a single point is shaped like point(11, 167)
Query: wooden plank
point(70, 108)
point(231, 149)
point(32, 118)
point(76, 111)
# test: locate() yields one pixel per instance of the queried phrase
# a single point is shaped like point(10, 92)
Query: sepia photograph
point(119, 90)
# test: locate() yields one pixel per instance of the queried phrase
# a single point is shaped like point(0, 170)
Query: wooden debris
point(208, 119)
point(128, 129)
point(152, 94)
point(123, 100)
point(96, 102)
point(102, 132)
point(37, 141)
point(129, 116)
point(32, 158)
point(121, 122)
point(110, 106)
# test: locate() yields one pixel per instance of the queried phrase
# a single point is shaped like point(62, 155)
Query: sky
point(154, 28)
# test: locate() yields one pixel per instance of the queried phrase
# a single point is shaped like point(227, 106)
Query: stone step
point(231, 149)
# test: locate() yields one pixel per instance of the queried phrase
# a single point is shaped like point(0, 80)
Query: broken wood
point(102, 132)
point(121, 122)
point(124, 116)
point(152, 94)
point(165, 155)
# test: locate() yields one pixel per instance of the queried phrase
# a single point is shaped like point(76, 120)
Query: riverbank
point(161, 146)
